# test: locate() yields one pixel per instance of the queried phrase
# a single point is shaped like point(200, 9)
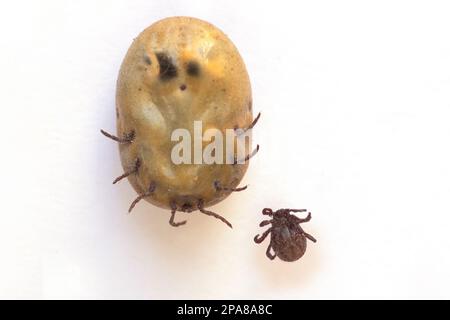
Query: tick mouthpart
point(187, 207)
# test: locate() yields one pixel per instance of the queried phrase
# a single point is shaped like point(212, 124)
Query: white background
point(355, 102)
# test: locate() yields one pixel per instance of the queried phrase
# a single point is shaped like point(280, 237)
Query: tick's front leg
point(296, 210)
point(300, 220)
point(265, 223)
point(259, 239)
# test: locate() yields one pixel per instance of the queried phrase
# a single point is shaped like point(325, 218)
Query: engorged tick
point(165, 85)
point(287, 238)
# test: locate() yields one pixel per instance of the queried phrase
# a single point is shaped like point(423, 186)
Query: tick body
point(287, 238)
point(178, 71)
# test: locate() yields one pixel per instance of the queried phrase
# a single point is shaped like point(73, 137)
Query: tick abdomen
point(178, 71)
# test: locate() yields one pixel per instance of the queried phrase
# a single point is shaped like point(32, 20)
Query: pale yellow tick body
point(177, 71)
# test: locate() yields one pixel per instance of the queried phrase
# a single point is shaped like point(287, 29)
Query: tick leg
point(265, 223)
point(213, 214)
point(172, 217)
point(248, 157)
point(296, 210)
point(250, 126)
point(310, 237)
point(126, 174)
point(268, 253)
point(259, 239)
point(220, 188)
point(300, 220)
point(135, 201)
point(267, 212)
point(127, 138)
point(151, 189)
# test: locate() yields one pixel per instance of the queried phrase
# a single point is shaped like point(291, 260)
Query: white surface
point(355, 102)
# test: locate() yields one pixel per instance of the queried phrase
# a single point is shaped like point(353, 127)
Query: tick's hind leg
point(268, 253)
point(172, 217)
point(259, 239)
point(202, 209)
point(310, 237)
point(150, 190)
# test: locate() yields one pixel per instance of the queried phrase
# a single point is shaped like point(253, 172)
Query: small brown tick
point(287, 238)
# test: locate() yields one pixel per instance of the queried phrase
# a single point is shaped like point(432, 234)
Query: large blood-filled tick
point(287, 238)
point(178, 72)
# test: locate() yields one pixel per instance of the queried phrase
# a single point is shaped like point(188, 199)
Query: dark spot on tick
point(183, 87)
point(147, 59)
point(187, 207)
point(193, 69)
point(167, 69)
